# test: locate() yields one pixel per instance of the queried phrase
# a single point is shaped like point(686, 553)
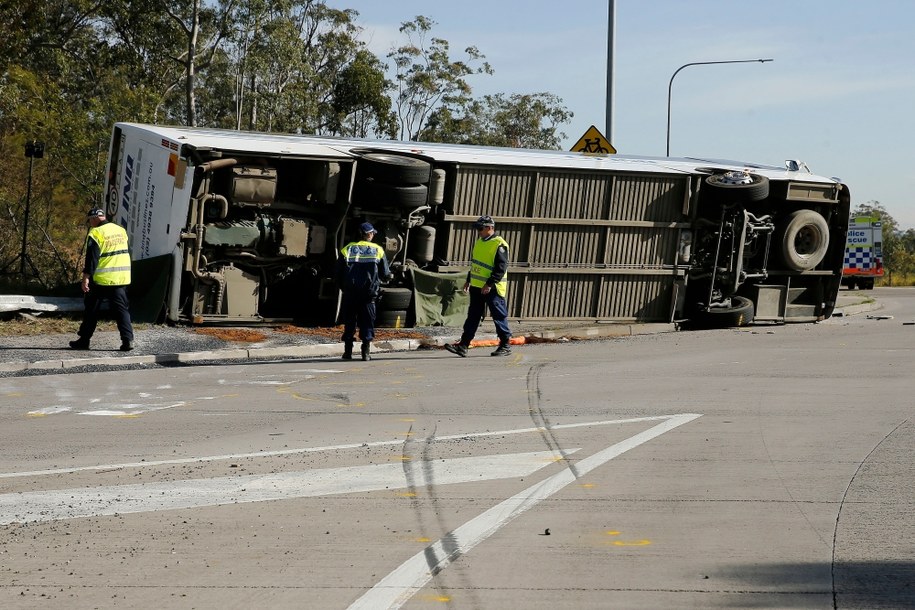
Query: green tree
point(203, 29)
point(361, 108)
point(293, 59)
point(428, 79)
point(57, 87)
point(519, 120)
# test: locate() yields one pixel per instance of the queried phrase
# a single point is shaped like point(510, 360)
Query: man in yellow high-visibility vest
point(487, 283)
point(106, 276)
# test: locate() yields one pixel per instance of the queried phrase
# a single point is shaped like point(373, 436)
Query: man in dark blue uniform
point(360, 268)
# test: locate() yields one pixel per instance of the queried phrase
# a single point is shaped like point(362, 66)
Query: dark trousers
point(359, 311)
point(497, 310)
point(117, 300)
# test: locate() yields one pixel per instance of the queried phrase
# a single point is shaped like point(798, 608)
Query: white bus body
point(243, 227)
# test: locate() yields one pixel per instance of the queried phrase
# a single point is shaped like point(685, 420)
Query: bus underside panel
point(259, 242)
point(713, 248)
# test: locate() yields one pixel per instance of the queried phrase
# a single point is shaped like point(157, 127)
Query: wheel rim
point(808, 240)
point(735, 178)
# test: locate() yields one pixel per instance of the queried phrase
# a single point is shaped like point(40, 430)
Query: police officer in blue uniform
point(360, 268)
point(487, 283)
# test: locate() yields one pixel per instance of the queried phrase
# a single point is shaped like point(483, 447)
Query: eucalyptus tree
point(517, 120)
point(427, 79)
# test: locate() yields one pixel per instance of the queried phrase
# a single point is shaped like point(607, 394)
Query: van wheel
point(803, 240)
point(393, 169)
point(737, 187)
point(740, 312)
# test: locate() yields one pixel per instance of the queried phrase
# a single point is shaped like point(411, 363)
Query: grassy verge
point(29, 325)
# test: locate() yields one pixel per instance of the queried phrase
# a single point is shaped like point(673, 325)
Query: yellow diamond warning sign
point(593, 142)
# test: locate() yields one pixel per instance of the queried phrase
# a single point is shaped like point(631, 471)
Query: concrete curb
point(852, 310)
point(332, 350)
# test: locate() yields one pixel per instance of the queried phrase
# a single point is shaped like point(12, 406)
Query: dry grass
point(29, 325)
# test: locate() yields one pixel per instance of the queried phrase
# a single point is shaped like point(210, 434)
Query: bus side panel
point(584, 245)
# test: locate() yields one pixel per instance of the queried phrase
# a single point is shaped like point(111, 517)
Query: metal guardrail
point(12, 302)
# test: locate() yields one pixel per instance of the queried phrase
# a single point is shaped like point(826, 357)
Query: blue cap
point(366, 227)
point(484, 221)
point(95, 213)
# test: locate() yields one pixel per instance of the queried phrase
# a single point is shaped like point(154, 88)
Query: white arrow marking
point(303, 450)
point(122, 499)
point(396, 588)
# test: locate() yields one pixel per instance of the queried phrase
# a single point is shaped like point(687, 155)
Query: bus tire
point(803, 240)
point(374, 194)
point(728, 193)
point(395, 298)
point(739, 313)
point(393, 169)
point(391, 318)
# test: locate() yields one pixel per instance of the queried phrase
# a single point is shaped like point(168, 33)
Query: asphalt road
point(768, 467)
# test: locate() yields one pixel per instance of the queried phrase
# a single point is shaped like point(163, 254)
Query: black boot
point(504, 349)
point(457, 348)
point(347, 350)
point(80, 343)
point(366, 346)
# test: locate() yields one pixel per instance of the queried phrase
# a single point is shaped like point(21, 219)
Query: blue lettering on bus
point(128, 180)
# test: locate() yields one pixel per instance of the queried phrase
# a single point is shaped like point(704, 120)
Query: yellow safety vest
point(114, 258)
point(484, 257)
point(362, 252)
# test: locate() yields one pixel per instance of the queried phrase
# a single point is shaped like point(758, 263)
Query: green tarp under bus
point(439, 299)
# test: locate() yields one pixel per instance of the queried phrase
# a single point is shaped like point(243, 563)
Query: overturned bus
point(237, 227)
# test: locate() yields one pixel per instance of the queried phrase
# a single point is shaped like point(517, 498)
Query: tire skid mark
point(544, 427)
point(835, 533)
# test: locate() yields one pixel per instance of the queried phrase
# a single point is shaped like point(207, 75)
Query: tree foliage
point(69, 69)
point(428, 79)
point(519, 121)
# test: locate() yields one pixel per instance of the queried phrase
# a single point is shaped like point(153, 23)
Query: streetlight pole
point(700, 63)
point(611, 62)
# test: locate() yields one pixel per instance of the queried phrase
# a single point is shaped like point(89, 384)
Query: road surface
point(762, 467)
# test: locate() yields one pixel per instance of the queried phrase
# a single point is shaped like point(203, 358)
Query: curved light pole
point(700, 63)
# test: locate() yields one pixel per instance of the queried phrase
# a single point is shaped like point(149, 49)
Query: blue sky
point(839, 96)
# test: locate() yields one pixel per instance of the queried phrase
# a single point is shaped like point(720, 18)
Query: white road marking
point(49, 411)
point(396, 441)
point(395, 589)
point(53, 505)
point(134, 409)
point(252, 382)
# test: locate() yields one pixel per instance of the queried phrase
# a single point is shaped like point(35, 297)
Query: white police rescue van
point(863, 253)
